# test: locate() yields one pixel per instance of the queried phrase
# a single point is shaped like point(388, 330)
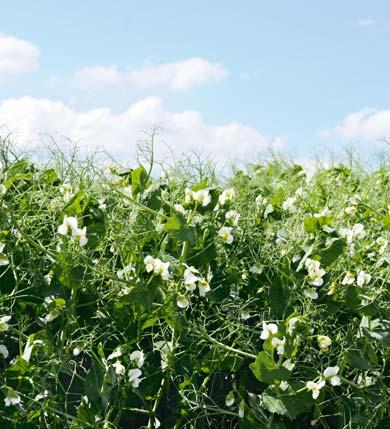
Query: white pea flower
point(281, 237)
point(289, 206)
point(3, 323)
point(268, 210)
point(245, 315)
point(102, 204)
point(161, 269)
point(203, 197)
point(51, 316)
point(382, 243)
point(254, 269)
point(204, 287)
point(80, 235)
point(363, 278)
point(350, 210)
point(190, 278)
point(3, 189)
point(260, 201)
point(42, 395)
point(279, 344)
point(149, 263)
point(119, 368)
point(138, 358)
point(135, 377)
point(324, 212)
point(4, 351)
point(115, 354)
point(241, 409)
point(128, 191)
point(315, 272)
point(348, 279)
point(327, 229)
point(66, 191)
point(300, 192)
point(157, 266)
point(232, 216)
point(182, 301)
point(76, 351)
point(268, 329)
point(188, 195)
point(12, 398)
point(226, 234)
point(69, 225)
point(229, 401)
point(310, 293)
point(227, 196)
point(357, 232)
point(330, 374)
point(324, 342)
point(315, 387)
point(179, 208)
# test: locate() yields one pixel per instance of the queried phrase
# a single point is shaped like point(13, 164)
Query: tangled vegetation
point(130, 301)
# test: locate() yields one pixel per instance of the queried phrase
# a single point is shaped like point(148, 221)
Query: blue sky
point(282, 72)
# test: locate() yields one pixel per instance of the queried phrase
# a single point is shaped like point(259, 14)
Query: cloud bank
point(17, 57)
point(177, 76)
point(118, 133)
point(366, 124)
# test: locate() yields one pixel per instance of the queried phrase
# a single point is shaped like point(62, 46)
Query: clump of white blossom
point(157, 266)
point(70, 226)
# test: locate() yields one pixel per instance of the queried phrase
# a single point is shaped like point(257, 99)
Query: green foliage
point(129, 301)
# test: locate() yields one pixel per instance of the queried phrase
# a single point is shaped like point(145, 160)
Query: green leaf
point(49, 176)
point(357, 361)
point(93, 384)
point(279, 297)
point(139, 179)
point(77, 204)
point(330, 254)
point(290, 402)
point(378, 329)
point(175, 227)
point(204, 255)
point(199, 186)
point(314, 224)
point(386, 221)
point(265, 369)
point(149, 323)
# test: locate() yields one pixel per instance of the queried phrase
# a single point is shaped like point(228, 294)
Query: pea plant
point(129, 300)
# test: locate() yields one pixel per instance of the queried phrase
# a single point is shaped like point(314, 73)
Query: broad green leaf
point(356, 360)
point(93, 385)
point(330, 254)
point(278, 297)
point(378, 329)
point(176, 229)
point(290, 402)
point(204, 255)
point(314, 224)
point(77, 205)
point(265, 369)
point(139, 179)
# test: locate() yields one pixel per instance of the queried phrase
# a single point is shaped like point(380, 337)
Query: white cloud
point(119, 133)
point(17, 57)
point(366, 124)
point(368, 22)
point(178, 76)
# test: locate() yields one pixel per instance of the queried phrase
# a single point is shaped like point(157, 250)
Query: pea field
point(176, 297)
